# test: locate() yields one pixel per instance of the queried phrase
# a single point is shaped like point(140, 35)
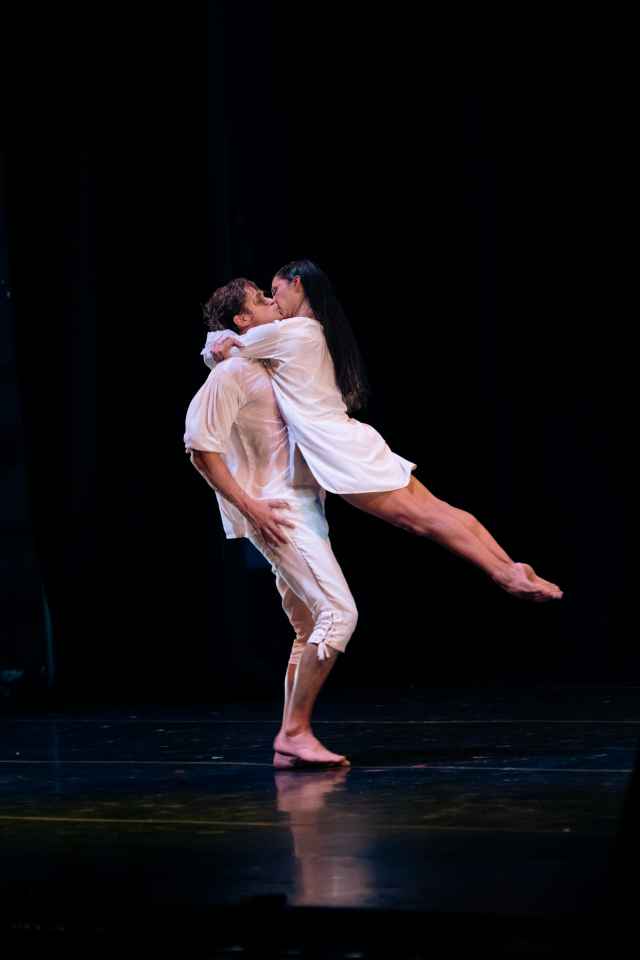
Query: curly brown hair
point(225, 302)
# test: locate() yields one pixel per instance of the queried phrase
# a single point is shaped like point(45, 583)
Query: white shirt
point(343, 454)
point(235, 414)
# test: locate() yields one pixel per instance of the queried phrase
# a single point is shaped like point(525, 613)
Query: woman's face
point(288, 294)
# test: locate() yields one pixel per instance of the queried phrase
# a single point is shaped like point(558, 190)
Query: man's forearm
point(215, 471)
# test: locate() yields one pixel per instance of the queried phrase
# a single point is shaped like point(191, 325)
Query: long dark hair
point(347, 359)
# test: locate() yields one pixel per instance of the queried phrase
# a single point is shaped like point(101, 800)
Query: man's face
point(259, 309)
point(287, 295)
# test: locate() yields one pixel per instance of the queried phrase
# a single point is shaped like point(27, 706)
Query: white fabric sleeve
point(212, 338)
point(269, 341)
point(265, 342)
point(212, 413)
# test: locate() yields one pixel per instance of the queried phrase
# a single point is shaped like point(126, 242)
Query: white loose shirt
point(343, 454)
point(235, 413)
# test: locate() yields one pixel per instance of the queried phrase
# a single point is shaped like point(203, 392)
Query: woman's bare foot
point(304, 746)
point(521, 581)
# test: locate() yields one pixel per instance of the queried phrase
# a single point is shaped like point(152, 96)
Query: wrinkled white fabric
point(235, 413)
point(343, 454)
point(315, 595)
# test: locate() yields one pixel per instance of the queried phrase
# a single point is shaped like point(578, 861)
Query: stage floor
point(495, 801)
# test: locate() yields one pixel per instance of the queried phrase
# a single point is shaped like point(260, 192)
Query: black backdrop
point(466, 227)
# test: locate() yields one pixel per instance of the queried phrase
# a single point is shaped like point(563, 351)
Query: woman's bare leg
point(473, 524)
point(414, 508)
point(483, 534)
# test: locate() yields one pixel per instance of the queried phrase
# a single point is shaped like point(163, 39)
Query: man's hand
point(263, 515)
point(222, 347)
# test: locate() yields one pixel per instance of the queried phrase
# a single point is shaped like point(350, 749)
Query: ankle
point(503, 572)
point(294, 728)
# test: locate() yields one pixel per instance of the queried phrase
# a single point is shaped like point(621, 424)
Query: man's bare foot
point(284, 762)
point(521, 581)
point(305, 747)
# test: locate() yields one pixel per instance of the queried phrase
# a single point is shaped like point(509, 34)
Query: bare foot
point(558, 593)
point(304, 746)
point(283, 762)
point(523, 582)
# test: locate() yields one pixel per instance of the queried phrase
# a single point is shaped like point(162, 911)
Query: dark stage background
point(467, 229)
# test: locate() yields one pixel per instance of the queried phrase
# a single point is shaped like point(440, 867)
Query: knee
point(345, 625)
point(350, 620)
point(350, 616)
point(472, 523)
point(336, 627)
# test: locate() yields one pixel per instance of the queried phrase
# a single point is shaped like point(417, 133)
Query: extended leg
point(415, 509)
point(473, 524)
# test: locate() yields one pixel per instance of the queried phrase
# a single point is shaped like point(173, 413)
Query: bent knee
point(348, 625)
point(343, 626)
point(351, 619)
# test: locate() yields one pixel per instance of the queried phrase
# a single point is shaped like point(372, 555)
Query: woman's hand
point(222, 347)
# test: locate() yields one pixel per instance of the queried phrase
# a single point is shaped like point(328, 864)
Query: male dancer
point(239, 442)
